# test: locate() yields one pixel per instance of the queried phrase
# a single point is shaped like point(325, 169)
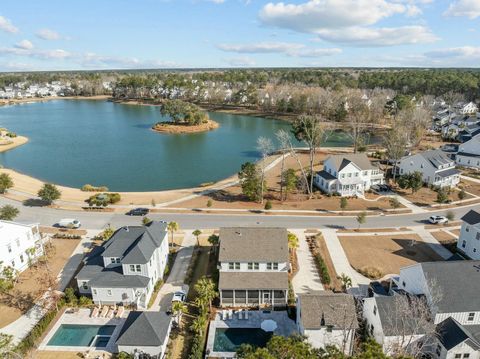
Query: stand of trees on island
point(183, 113)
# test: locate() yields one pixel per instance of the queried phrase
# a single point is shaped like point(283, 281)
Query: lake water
point(102, 143)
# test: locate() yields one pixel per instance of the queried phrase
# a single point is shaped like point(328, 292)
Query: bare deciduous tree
point(265, 146)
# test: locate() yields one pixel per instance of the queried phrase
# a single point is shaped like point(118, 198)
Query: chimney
point(126, 228)
point(322, 321)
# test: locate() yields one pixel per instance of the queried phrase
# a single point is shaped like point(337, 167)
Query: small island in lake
point(186, 118)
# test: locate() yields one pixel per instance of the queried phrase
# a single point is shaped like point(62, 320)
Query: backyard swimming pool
point(230, 339)
point(72, 335)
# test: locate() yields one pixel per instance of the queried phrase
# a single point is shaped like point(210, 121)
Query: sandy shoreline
point(17, 141)
point(168, 127)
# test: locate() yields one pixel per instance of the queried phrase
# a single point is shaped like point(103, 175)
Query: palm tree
point(172, 228)
point(292, 242)
point(214, 240)
point(205, 289)
point(198, 325)
point(178, 308)
point(197, 233)
point(346, 281)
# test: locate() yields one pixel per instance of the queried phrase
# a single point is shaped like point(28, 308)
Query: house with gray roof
point(328, 319)
point(125, 269)
point(450, 291)
point(348, 175)
point(254, 265)
point(469, 153)
point(436, 167)
point(454, 340)
point(145, 333)
point(469, 240)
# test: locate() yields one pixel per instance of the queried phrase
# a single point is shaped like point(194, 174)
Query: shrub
point(323, 270)
point(442, 196)
point(90, 188)
point(462, 194)
point(70, 297)
point(146, 220)
point(6, 182)
point(153, 203)
point(11, 134)
point(85, 301)
point(209, 203)
point(450, 215)
point(49, 193)
point(268, 205)
point(371, 272)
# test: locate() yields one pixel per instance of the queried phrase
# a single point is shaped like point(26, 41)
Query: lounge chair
point(120, 311)
point(94, 313)
point(111, 313)
point(104, 312)
point(245, 315)
point(240, 314)
point(230, 314)
point(224, 314)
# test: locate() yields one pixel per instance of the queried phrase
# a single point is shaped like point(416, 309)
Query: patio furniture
point(104, 312)
point(111, 313)
point(230, 314)
point(240, 314)
point(269, 325)
point(94, 313)
point(120, 311)
point(224, 314)
point(245, 314)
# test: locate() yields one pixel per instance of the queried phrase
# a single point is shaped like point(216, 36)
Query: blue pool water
point(72, 335)
point(230, 339)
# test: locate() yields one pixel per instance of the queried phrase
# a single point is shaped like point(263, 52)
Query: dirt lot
point(63, 355)
point(30, 284)
point(446, 239)
point(387, 253)
point(425, 196)
point(470, 186)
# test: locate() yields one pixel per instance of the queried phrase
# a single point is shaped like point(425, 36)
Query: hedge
point(322, 268)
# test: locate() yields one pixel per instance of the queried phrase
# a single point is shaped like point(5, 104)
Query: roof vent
point(238, 233)
point(127, 229)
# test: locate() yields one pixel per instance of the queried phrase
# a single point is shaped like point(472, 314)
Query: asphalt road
point(97, 220)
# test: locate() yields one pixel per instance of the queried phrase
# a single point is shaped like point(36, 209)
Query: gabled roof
point(135, 244)
point(320, 309)
point(455, 284)
point(253, 280)
point(451, 333)
point(359, 159)
point(472, 217)
point(436, 157)
point(144, 329)
point(393, 316)
point(253, 244)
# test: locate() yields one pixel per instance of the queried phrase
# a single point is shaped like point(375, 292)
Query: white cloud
point(349, 21)
point(287, 48)
point(315, 15)
point(7, 26)
point(363, 36)
point(468, 8)
point(24, 44)
point(93, 60)
point(47, 34)
point(241, 61)
point(463, 52)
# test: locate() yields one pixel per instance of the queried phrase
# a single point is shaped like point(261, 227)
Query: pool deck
point(285, 327)
point(82, 317)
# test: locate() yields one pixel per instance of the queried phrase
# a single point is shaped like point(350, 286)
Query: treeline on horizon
point(436, 82)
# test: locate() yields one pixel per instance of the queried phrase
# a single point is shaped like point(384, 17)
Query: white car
point(69, 223)
point(438, 220)
point(179, 296)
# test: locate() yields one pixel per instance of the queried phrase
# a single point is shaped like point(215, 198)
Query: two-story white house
point(452, 290)
point(125, 269)
point(254, 265)
point(348, 175)
point(20, 245)
point(469, 153)
point(327, 319)
point(436, 167)
point(466, 108)
point(469, 239)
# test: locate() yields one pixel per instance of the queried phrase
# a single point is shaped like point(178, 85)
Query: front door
point(266, 297)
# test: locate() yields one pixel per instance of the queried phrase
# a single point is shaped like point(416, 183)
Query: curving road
point(89, 220)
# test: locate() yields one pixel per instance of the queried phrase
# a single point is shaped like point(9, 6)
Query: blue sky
point(116, 34)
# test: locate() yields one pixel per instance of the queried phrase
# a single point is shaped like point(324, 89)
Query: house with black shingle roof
point(125, 269)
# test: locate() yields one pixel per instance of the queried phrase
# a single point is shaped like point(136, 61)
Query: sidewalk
point(177, 274)
point(339, 258)
point(409, 205)
point(307, 278)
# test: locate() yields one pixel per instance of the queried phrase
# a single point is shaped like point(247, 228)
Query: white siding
point(468, 242)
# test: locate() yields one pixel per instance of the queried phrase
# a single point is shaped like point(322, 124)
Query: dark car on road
point(138, 212)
